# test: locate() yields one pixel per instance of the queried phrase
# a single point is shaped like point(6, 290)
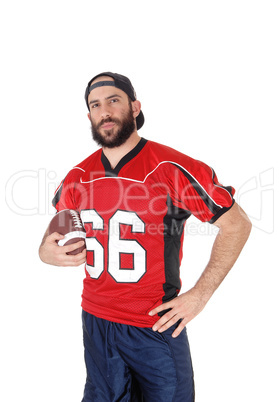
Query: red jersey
point(134, 216)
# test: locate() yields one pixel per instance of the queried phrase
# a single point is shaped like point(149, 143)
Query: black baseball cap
point(121, 82)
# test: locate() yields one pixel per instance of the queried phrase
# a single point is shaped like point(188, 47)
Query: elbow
point(247, 226)
point(244, 223)
point(236, 225)
point(242, 228)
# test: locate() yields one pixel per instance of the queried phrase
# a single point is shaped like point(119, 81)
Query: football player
point(135, 197)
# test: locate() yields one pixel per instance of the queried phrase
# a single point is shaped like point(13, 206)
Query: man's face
point(111, 115)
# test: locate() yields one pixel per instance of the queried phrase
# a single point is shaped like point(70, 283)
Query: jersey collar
point(127, 158)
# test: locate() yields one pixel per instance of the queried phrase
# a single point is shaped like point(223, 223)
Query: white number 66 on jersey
point(116, 246)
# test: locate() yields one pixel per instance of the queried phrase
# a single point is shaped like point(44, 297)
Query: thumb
point(55, 236)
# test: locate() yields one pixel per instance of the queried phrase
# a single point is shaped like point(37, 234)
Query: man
point(134, 197)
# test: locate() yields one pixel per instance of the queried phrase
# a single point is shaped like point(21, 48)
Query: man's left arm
point(234, 229)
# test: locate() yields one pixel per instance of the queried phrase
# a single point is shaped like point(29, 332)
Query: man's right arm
point(52, 254)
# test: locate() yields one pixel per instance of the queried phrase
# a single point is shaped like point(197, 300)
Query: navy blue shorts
point(132, 364)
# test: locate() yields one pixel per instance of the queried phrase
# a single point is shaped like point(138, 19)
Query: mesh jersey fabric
point(134, 216)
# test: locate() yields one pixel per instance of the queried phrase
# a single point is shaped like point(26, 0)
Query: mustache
point(107, 120)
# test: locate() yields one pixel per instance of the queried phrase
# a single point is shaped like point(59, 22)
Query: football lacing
point(76, 219)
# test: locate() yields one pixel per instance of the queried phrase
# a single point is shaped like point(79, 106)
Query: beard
point(112, 138)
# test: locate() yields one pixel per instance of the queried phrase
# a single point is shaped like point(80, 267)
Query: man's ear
point(89, 117)
point(136, 106)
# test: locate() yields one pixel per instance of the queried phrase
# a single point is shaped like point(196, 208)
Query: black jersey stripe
point(174, 222)
point(209, 202)
point(57, 195)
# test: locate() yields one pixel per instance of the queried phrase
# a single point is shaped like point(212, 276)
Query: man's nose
point(105, 112)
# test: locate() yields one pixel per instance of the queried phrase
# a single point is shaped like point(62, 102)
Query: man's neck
point(114, 155)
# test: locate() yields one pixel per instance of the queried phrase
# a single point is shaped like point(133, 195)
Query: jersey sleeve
point(197, 190)
point(64, 197)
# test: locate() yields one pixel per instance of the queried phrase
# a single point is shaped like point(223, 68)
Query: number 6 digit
point(118, 246)
point(92, 244)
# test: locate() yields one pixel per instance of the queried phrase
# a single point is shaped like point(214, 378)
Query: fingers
point(51, 253)
point(168, 319)
point(184, 307)
point(55, 237)
point(166, 322)
point(177, 311)
point(180, 327)
point(73, 246)
point(73, 260)
point(162, 307)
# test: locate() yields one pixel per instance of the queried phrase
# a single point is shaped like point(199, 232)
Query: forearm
point(226, 249)
point(234, 231)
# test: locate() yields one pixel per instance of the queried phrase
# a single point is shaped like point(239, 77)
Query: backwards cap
point(120, 82)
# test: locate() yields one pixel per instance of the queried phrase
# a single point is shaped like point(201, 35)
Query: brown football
point(69, 224)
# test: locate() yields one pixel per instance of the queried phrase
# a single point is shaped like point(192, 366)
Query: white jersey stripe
point(143, 181)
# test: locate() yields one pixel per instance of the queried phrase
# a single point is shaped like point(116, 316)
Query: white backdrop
point(206, 73)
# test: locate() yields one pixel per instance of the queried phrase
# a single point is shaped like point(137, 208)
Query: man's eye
point(113, 100)
point(94, 106)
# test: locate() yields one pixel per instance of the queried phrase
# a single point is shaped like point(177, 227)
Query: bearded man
point(134, 197)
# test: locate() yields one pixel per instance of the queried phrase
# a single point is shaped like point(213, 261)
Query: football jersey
point(134, 216)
